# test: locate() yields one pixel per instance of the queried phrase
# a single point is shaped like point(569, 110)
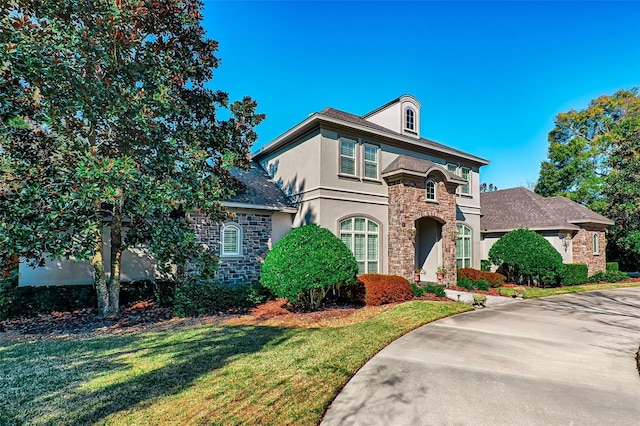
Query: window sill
point(432, 201)
point(372, 180)
point(350, 177)
point(465, 195)
point(232, 257)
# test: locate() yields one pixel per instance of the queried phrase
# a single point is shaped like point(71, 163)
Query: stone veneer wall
point(407, 203)
point(582, 245)
point(256, 242)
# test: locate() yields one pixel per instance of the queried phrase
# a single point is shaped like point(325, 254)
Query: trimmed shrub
point(608, 277)
point(381, 289)
point(465, 282)
point(306, 263)
point(438, 290)
point(481, 284)
point(527, 258)
point(575, 274)
point(479, 299)
point(612, 267)
point(209, 297)
point(416, 290)
point(493, 278)
point(485, 265)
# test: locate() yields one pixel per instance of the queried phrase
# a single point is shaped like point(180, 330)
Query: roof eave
point(315, 119)
point(536, 228)
point(283, 209)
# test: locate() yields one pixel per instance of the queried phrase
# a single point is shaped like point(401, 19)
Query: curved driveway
point(563, 360)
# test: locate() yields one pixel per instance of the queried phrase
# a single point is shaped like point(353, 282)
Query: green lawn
point(217, 374)
point(535, 292)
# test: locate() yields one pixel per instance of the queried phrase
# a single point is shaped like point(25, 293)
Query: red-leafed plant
point(493, 278)
point(381, 289)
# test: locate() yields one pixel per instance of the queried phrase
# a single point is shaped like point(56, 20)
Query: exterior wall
point(582, 243)
point(281, 224)
point(392, 116)
point(136, 265)
point(407, 204)
point(256, 241)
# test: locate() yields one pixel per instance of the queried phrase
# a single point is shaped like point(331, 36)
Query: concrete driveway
point(563, 360)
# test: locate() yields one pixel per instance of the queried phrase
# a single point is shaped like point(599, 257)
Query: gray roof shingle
point(259, 188)
point(514, 208)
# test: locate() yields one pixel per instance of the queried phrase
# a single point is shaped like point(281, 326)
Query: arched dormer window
point(430, 190)
point(231, 237)
point(596, 244)
point(410, 120)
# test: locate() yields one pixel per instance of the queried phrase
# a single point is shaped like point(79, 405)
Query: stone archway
point(408, 206)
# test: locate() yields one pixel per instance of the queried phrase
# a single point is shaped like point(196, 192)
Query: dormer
point(401, 115)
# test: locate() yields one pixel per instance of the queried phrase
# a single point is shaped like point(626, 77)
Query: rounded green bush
point(306, 263)
point(527, 257)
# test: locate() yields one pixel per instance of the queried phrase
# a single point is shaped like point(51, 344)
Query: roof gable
point(259, 190)
point(514, 208)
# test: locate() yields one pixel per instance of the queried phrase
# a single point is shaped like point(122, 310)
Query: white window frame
point(365, 161)
point(410, 118)
point(351, 233)
point(238, 248)
point(354, 158)
point(464, 260)
point(595, 243)
point(426, 190)
point(466, 188)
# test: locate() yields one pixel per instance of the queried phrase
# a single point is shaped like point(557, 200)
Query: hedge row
point(493, 278)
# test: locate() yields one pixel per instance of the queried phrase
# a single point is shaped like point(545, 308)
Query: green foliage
point(527, 257)
point(416, 290)
point(465, 282)
point(594, 159)
point(31, 301)
point(575, 274)
point(436, 289)
point(485, 265)
point(209, 297)
point(608, 277)
point(479, 299)
point(612, 267)
point(481, 284)
point(106, 113)
point(305, 263)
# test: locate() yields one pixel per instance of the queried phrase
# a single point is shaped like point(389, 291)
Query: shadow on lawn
point(66, 400)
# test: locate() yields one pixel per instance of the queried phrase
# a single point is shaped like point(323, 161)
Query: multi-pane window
point(370, 161)
point(466, 175)
point(463, 247)
point(410, 119)
point(231, 241)
point(596, 248)
point(361, 235)
point(431, 190)
point(347, 157)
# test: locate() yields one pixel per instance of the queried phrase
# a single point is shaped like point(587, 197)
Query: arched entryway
point(428, 247)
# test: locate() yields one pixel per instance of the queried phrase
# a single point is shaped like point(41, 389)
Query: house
point(576, 232)
point(398, 200)
point(261, 216)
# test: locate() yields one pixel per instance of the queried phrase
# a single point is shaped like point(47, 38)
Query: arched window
point(596, 248)
point(410, 120)
point(231, 237)
point(430, 190)
point(463, 247)
point(361, 235)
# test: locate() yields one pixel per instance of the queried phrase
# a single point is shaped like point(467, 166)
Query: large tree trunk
point(97, 262)
point(116, 261)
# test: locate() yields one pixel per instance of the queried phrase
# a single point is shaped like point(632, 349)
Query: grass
point(535, 292)
point(214, 374)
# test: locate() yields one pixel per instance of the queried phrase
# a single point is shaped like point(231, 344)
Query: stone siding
point(582, 245)
point(256, 242)
point(407, 203)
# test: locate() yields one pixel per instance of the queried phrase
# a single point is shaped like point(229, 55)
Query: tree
point(306, 263)
point(579, 148)
point(526, 257)
point(593, 160)
point(622, 191)
point(488, 188)
point(108, 133)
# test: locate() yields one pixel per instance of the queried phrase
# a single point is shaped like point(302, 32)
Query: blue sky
point(491, 76)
